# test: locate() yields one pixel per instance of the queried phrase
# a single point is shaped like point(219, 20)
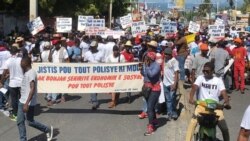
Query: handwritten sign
point(126, 21)
point(138, 28)
point(219, 21)
point(168, 27)
point(114, 34)
point(63, 25)
point(216, 30)
point(193, 27)
point(95, 31)
point(35, 26)
point(88, 78)
point(82, 22)
point(96, 22)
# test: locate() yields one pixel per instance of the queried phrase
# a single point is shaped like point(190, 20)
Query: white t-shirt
point(45, 55)
point(108, 50)
point(56, 55)
point(85, 47)
point(245, 123)
point(93, 57)
point(209, 89)
point(29, 46)
point(4, 55)
point(29, 76)
point(170, 67)
point(13, 64)
point(101, 47)
point(112, 59)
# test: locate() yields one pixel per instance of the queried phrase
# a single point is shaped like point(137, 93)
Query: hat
point(238, 40)
point(168, 51)
point(137, 40)
point(153, 44)
point(129, 44)
point(63, 39)
point(164, 43)
point(151, 55)
point(94, 44)
point(57, 35)
point(46, 44)
point(203, 47)
point(19, 39)
point(54, 42)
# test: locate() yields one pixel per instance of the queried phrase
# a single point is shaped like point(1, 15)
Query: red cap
point(54, 42)
point(151, 55)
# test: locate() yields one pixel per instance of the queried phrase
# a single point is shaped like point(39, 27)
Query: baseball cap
point(94, 44)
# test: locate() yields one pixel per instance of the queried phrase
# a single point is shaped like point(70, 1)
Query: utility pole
point(110, 13)
point(33, 9)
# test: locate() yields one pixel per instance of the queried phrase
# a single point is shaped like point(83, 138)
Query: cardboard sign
point(96, 22)
point(88, 78)
point(168, 27)
point(63, 25)
point(95, 31)
point(193, 27)
point(216, 31)
point(219, 21)
point(35, 26)
point(126, 21)
point(138, 28)
point(82, 22)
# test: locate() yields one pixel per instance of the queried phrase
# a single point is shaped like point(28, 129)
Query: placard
point(88, 78)
point(63, 25)
point(35, 26)
point(193, 27)
point(219, 21)
point(126, 21)
point(115, 34)
point(95, 31)
point(216, 31)
point(96, 22)
point(82, 22)
point(138, 28)
point(168, 27)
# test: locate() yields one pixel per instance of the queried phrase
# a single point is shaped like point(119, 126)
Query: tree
point(205, 8)
point(246, 6)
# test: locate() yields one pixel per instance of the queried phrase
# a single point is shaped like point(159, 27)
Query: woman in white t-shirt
point(116, 57)
point(245, 126)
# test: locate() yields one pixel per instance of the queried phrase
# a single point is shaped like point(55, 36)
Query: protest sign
point(115, 34)
point(219, 21)
point(63, 25)
point(35, 26)
point(82, 22)
point(95, 31)
point(168, 27)
point(138, 28)
point(216, 31)
point(126, 21)
point(193, 27)
point(96, 22)
point(88, 78)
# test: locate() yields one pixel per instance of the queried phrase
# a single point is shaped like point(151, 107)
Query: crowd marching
point(166, 63)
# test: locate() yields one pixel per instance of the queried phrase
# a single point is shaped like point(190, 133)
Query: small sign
point(193, 27)
point(35, 26)
point(63, 25)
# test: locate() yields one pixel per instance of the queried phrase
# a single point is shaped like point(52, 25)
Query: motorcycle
point(208, 120)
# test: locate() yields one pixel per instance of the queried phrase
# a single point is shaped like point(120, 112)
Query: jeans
point(144, 106)
point(2, 99)
point(29, 116)
point(181, 60)
point(152, 100)
point(170, 100)
point(52, 97)
point(94, 99)
point(14, 95)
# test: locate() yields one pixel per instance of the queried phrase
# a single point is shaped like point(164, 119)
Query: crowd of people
point(166, 63)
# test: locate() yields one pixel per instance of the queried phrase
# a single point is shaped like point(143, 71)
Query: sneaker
point(50, 134)
point(13, 117)
point(150, 130)
point(174, 116)
point(6, 113)
point(143, 115)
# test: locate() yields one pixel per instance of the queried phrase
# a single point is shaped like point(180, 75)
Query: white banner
point(126, 21)
point(82, 22)
point(216, 31)
point(138, 28)
point(115, 34)
point(193, 27)
point(96, 22)
point(168, 27)
point(88, 78)
point(35, 26)
point(63, 25)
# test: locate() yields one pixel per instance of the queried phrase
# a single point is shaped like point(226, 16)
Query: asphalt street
point(75, 121)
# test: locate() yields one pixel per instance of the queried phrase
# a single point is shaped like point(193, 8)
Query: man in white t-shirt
point(210, 87)
point(12, 65)
point(170, 80)
point(108, 50)
point(94, 56)
point(27, 103)
point(84, 45)
point(245, 126)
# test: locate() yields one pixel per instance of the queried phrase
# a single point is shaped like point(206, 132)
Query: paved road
point(76, 122)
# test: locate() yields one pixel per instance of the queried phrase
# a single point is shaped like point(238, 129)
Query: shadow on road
point(42, 137)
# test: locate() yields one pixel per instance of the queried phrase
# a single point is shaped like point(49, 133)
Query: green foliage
point(205, 8)
point(246, 6)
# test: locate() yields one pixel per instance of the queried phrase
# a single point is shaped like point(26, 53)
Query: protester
point(27, 102)
point(245, 126)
